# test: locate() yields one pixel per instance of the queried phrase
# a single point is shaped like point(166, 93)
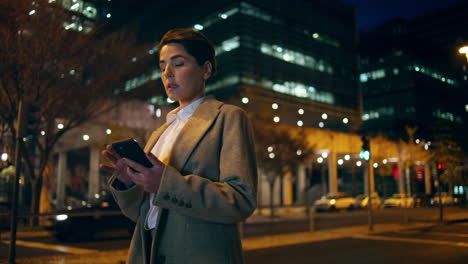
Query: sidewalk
point(251, 243)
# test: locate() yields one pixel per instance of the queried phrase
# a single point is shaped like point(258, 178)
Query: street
point(444, 244)
point(339, 237)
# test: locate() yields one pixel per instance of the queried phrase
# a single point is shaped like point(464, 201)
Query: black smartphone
point(131, 150)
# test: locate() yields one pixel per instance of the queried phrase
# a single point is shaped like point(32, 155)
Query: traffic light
point(365, 153)
point(440, 168)
point(29, 119)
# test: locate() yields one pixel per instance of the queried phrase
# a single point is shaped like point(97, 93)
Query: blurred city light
point(245, 100)
point(4, 156)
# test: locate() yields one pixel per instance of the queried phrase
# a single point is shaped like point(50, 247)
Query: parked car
point(333, 202)
point(399, 200)
point(84, 222)
point(446, 199)
point(362, 200)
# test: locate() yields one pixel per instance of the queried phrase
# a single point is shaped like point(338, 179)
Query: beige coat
point(207, 188)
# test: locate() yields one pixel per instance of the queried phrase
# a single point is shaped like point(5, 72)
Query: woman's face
point(183, 79)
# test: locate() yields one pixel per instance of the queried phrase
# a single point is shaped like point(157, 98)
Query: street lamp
point(464, 50)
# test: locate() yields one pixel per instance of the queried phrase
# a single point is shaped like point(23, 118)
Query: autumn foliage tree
point(69, 75)
point(279, 151)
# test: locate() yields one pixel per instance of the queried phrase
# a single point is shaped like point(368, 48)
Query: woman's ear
point(207, 70)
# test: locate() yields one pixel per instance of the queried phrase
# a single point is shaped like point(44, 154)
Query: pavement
point(77, 256)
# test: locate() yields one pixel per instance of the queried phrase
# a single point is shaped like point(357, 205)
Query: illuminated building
point(412, 75)
point(298, 54)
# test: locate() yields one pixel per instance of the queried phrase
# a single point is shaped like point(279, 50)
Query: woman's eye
point(179, 64)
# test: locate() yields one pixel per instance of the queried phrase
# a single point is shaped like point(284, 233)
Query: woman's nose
point(168, 71)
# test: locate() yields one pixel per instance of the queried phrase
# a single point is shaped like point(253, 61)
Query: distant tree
point(69, 75)
point(279, 151)
point(449, 153)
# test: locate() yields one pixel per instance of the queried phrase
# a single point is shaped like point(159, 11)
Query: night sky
point(372, 13)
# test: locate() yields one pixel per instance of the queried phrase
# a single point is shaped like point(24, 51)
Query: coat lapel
point(193, 131)
point(154, 137)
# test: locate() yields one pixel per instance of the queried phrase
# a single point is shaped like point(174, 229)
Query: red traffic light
point(440, 165)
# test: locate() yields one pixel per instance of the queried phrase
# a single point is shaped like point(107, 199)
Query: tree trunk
point(36, 186)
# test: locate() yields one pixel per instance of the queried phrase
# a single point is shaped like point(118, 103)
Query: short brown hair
point(195, 43)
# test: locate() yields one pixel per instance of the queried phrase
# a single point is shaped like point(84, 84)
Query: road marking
point(411, 240)
point(64, 249)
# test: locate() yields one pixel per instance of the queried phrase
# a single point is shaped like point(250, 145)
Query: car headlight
point(61, 217)
point(332, 201)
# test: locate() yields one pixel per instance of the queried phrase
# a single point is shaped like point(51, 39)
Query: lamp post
point(464, 50)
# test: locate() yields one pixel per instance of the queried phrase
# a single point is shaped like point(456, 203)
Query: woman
point(203, 180)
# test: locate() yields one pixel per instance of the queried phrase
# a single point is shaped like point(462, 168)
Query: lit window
point(363, 77)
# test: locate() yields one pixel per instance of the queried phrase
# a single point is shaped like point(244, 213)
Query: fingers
point(136, 177)
point(153, 159)
point(106, 168)
point(135, 165)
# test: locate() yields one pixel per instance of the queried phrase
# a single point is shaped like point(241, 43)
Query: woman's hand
point(148, 178)
point(118, 167)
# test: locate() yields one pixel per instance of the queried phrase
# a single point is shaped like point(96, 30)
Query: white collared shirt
point(177, 119)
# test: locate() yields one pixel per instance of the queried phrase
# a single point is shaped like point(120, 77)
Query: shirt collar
point(185, 113)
